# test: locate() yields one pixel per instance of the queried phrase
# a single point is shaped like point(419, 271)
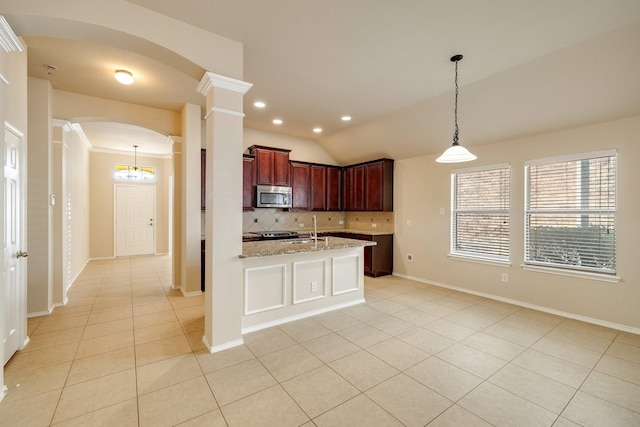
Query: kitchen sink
point(296, 242)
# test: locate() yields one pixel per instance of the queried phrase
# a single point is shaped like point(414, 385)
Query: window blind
point(570, 213)
point(480, 213)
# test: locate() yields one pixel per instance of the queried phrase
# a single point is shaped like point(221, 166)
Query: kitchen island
point(287, 280)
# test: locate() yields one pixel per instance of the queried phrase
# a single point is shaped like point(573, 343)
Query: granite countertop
point(306, 233)
point(280, 247)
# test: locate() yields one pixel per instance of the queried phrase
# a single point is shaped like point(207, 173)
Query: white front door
point(135, 213)
point(14, 257)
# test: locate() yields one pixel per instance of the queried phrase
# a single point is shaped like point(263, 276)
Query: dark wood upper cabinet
point(364, 186)
point(300, 178)
point(272, 165)
point(334, 188)
point(354, 190)
point(248, 182)
point(369, 186)
point(318, 187)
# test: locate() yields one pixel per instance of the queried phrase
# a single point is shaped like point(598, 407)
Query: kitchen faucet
point(315, 229)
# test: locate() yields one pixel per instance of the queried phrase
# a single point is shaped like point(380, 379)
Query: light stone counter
point(283, 247)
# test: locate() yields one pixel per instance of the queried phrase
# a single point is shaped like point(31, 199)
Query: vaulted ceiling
point(528, 67)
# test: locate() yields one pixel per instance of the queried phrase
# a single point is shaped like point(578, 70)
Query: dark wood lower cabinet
point(378, 259)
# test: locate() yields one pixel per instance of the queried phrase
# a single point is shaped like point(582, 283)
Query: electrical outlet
point(374, 225)
point(441, 211)
point(505, 277)
point(409, 223)
point(341, 222)
point(301, 225)
point(314, 286)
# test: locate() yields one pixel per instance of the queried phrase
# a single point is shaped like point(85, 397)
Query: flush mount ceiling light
point(456, 153)
point(277, 121)
point(259, 104)
point(346, 118)
point(123, 76)
point(317, 130)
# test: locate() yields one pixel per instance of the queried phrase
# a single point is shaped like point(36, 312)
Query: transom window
point(480, 212)
point(124, 172)
point(570, 212)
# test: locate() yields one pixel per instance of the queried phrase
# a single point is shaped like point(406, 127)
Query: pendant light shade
point(456, 153)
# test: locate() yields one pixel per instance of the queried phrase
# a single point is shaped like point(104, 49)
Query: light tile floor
point(127, 351)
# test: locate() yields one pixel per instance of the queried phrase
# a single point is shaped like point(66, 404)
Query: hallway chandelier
point(135, 174)
point(456, 153)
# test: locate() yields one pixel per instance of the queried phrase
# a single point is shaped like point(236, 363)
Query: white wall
point(422, 188)
point(77, 201)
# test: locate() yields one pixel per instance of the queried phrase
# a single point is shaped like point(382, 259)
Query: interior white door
point(135, 213)
point(14, 264)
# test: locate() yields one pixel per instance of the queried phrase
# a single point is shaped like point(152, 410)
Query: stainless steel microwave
point(269, 196)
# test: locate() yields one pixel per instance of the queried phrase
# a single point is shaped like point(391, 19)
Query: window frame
point(568, 269)
point(473, 256)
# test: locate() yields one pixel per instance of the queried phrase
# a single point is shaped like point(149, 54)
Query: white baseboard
point(573, 316)
point(293, 318)
point(221, 347)
point(39, 313)
point(190, 294)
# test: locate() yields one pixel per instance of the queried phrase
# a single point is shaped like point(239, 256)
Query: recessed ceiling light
point(346, 118)
point(317, 130)
point(123, 76)
point(259, 104)
point(277, 121)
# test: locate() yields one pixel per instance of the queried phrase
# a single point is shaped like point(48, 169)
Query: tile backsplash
point(370, 221)
point(277, 219)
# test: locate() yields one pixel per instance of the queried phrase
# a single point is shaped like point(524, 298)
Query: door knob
point(21, 254)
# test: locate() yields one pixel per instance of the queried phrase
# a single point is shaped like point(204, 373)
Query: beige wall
point(39, 213)
point(101, 189)
point(422, 188)
point(302, 149)
point(76, 107)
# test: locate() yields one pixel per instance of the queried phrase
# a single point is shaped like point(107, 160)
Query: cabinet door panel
point(334, 189)
point(248, 183)
point(264, 169)
point(318, 188)
point(374, 185)
point(357, 189)
point(281, 169)
point(300, 186)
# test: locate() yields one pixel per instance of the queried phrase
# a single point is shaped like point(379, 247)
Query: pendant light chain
point(455, 131)
point(456, 153)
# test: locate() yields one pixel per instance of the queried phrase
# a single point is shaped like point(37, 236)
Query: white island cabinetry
point(287, 281)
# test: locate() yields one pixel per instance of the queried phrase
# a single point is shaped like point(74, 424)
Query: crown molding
point(211, 80)
point(8, 39)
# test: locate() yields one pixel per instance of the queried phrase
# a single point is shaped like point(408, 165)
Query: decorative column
point(223, 235)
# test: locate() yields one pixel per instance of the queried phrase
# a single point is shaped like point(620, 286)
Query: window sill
point(572, 273)
point(480, 260)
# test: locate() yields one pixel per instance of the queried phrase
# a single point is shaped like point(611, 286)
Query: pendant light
point(456, 153)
